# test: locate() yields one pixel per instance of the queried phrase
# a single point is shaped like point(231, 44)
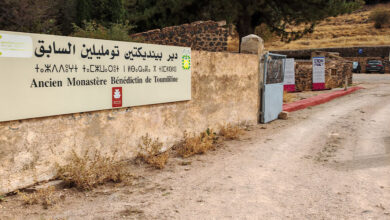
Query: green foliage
point(92, 29)
point(380, 17)
point(264, 32)
point(116, 11)
point(29, 16)
point(84, 11)
point(57, 16)
point(102, 11)
point(66, 15)
point(246, 15)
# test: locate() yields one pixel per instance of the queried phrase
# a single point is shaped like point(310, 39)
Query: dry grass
point(197, 144)
point(86, 172)
point(44, 197)
point(150, 152)
point(289, 97)
point(355, 29)
point(231, 132)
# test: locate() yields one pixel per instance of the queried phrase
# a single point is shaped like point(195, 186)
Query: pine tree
point(84, 11)
point(66, 15)
point(116, 11)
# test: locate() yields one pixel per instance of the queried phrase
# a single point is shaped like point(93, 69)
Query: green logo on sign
point(186, 62)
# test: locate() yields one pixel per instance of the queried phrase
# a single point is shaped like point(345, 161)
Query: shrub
point(150, 152)
point(380, 17)
point(44, 197)
point(264, 32)
point(119, 32)
point(86, 172)
point(200, 144)
point(288, 97)
point(230, 132)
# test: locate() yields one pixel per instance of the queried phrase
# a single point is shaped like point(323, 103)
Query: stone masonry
point(200, 35)
point(336, 69)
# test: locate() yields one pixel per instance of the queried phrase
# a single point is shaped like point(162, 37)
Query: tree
point(369, 2)
point(116, 11)
point(245, 14)
point(102, 11)
point(380, 17)
point(29, 16)
point(67, 15)
point(84, 11)
point(119, 32)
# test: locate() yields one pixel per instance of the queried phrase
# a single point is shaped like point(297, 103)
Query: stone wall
point(201, 35)
point(335, 71)
point(224, 90)
point(303, 75)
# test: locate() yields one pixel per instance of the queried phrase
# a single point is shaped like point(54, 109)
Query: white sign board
point(289, 72)
point(15, 46)
point(44, 75)
point(319, 70)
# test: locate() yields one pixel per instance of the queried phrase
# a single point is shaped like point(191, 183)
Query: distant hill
point(343, 31)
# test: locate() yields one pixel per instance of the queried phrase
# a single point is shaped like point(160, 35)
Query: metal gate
point(272, 92)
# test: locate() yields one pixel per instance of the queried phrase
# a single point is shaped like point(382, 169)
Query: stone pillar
point(253, 44)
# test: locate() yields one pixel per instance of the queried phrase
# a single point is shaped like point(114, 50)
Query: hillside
point(348, 30)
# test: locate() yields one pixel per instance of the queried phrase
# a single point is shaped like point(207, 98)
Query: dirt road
point(328, 162)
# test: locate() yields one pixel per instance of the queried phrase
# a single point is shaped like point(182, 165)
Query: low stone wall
point(224, 90)
point(335, 72)
point(200, 35)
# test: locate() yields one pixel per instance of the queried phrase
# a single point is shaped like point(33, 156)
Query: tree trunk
point(244, 26)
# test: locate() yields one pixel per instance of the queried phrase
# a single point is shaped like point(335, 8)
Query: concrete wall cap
point(252, 37)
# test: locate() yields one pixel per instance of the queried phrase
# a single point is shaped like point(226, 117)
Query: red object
point(317, 100)
point(289, 88)
point(318, 86)
point(117, 97)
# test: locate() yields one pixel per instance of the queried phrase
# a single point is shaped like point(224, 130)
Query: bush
point(264, 32)
point(200, 144)
point(288, 97)
point(86, 172)
point(231, 132)
point(380, 18)
point(150, 152)
point(44, 197)
point(119, 32)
